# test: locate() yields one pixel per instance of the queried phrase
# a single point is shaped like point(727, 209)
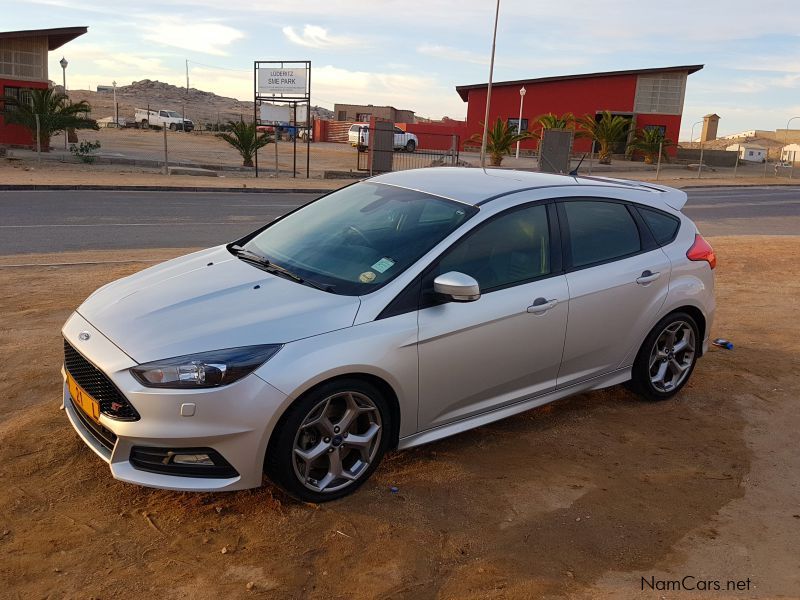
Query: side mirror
point(457, 287)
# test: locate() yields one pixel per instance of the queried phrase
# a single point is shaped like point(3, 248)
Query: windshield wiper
point(270, 267)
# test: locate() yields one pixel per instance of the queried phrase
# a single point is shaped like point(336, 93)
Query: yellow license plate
point(83, 400)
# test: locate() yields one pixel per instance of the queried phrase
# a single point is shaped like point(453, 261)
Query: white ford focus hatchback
point(388, 314)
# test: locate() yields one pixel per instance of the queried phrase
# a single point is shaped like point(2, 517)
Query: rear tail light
point(702, 250)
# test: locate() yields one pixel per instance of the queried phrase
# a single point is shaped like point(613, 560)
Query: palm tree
point(648, 141)
point(55, 113)
point(501, 138)
point(552, 121)
point(246, 139)
point(608, 131)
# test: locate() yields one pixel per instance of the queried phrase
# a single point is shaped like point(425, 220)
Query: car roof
point(477, 186)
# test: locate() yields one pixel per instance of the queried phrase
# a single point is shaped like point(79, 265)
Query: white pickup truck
point(162, 118)
point(358, 136)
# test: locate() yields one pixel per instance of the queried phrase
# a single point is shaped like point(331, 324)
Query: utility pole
point(489, 89)
point(183, 124)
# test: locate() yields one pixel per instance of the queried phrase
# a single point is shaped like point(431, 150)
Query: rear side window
point(663, 226)
point(600, 231)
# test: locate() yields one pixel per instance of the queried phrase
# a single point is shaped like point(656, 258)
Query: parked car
point(391, 313)
point(163, 118)
point(358, 136)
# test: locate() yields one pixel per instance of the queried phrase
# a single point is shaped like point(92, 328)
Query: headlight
point(204, 370)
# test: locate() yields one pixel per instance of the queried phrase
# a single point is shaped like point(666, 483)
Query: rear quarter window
point(664, 227)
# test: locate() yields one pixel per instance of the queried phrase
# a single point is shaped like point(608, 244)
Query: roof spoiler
point(672, 197)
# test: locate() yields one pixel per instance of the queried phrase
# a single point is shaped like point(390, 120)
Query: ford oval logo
point(84, 335)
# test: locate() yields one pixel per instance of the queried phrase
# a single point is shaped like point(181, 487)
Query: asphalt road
point(56, 221)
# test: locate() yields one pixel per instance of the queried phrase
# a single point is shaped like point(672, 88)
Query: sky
point(412, 53)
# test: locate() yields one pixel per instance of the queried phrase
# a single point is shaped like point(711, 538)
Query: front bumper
point(234, 420)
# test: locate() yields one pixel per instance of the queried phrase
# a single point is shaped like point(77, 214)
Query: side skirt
point(443, 431)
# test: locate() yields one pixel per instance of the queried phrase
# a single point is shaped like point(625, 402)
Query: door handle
point(541, 306)
point(647, 277)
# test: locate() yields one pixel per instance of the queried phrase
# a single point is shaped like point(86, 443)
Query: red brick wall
point(14, 135)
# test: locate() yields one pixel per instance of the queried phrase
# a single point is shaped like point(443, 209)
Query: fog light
point(192, 459)
point(184, 462)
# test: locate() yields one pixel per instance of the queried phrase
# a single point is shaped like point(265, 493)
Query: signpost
point(287, 83)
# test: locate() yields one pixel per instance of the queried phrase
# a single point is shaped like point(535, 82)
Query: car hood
point(210, 300)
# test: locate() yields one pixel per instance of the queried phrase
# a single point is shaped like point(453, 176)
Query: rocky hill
point(200, 106)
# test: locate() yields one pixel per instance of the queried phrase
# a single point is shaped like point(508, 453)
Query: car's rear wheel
point(145, 124)
point(330, 441)
point(667, 357)
point(411, 145)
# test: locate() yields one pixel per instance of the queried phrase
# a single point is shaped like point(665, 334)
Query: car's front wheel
point(667, 357)
point(330, 441)
point(411, 145)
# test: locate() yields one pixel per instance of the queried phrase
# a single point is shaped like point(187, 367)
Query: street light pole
point(489, 89)
point(63, 62)
point(116, 109)
point(519, 121)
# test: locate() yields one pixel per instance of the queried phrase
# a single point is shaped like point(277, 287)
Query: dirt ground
point(582, 498)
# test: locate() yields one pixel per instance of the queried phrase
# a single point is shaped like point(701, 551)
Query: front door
point(506, 346)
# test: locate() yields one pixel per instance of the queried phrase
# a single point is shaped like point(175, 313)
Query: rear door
point(618, 280)
point(478, 356)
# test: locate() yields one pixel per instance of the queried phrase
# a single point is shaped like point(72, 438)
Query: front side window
point(510, 249)
point(600, 231)
point(359, 238)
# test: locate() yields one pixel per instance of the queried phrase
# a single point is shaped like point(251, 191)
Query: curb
point(740, 185)
point(160, 188)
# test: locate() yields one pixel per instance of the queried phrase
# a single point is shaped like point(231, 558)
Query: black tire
point(411, 145)
point(145, 124)
point(173, 127)
point(641, 381)
point(280, 463)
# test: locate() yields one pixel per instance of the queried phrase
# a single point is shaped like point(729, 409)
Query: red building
point(23, 67)
point(649, 97)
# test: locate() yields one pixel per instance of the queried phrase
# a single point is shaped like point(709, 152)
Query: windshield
point(359, 238)
point(172, 113)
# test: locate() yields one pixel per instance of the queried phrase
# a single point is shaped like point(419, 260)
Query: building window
point(662, 129)
point(513, 124)
point(342, 116)
point(21, 94)
point(661, 94)
point(21, 59)
point(363, 117)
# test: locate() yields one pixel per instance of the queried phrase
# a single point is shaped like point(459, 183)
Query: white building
point(750, 152)
point(791, 153)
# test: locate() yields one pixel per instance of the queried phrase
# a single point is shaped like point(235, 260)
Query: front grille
point(112, 403)
point(104, 436)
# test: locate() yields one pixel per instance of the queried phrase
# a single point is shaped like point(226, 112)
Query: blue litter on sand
point(394, 489)
point(721, 343)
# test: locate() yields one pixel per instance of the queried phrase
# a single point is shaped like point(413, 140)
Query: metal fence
point(401, 151)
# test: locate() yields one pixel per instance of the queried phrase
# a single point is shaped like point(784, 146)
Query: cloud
point(475, 58)
point(208, 38)
point(314, 36)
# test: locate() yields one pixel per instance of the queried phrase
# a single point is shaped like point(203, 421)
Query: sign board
point(290, 82)
point(270, 113)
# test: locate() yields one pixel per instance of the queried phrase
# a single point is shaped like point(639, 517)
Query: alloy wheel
point(337, 441)
point(672, 356)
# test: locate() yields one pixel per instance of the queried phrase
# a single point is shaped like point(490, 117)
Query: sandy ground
point(207, 149)
point(582, 498)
